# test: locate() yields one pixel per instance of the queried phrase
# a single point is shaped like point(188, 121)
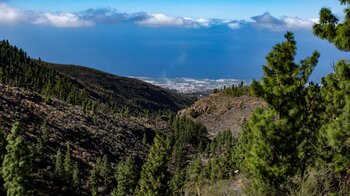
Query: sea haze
point(165, 52)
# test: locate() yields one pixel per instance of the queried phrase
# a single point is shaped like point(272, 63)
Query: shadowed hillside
point(56, 124)
point(122, 91)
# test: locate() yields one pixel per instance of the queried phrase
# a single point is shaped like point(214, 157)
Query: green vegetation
point(101, 176)
point(17, 69)
point(127, 177)
point(269, 159)
point(59, 170)
point(234, 90)
point(15, 167)
point(154, 175)
point(330, 29)
point(297, 145)
point(53, 81)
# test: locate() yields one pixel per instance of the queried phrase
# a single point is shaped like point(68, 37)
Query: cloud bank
point(267, 21)
point(90, 17)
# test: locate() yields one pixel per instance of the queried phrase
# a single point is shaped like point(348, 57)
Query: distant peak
point(267, 13)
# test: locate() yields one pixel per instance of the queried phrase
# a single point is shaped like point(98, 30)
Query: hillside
point(78, 131)
point(219, 112)
point(94, 118)
point(112, 135)
point(82, 86)
point(122, 91)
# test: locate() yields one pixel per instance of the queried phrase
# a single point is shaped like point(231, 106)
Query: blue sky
point(157, 38)
point(227, 9)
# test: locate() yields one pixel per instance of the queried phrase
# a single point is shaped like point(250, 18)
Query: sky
point(225, 9)
point(160, 38)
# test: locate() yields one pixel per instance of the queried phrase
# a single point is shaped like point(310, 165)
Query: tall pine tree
point(126, 177)
point(154, 179)
point(278, 132)
point(15, 167)
point(335, 135)
point(59, 170)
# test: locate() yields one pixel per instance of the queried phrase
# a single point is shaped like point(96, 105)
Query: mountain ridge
point(109, 86)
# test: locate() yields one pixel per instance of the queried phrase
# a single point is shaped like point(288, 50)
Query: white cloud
point(234, 25)
point(9, 15)
point(61, 20)
point(200, 22)
point(295, 23)
point(267, 21)
point(159, 19)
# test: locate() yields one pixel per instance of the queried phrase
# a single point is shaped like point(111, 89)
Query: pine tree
point(334, 135)
point(330, 29)
point(177, 181)
point(101, 175)
point(45, 132)
point(76, 177)
point(126, 177)
point(93, 182)
point(15, 167)
point(194, 170)
point(68, 161)
point(59, 169)
point(3, 144)
point(279, 133)
point(144, 139)
point(154, 172)
point(105, 171)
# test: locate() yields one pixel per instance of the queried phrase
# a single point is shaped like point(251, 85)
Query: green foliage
point(270, 159)
point(194, 170)
point(281, 134)
point(322, 181)
point(335, 134)
point(101, 175)
point(45, 136)
point(177, 181)
point(282, 86)
point(59, 169)
point(94, 120)
point(154, 176)
point(18, 69)
point(15, 167)
point(76, 182)
point(68, 161)
point(105, 170)
point(67, 171)
point(144, 138)
point(188, 132)
point(220, 162)
point(235, 90)
point(330, 29)
point(126, 177)
point(93, 180)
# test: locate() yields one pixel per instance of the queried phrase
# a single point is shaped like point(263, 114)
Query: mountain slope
point(94, 112)
point(220, 112)
point(123, 91)
point(90, 136)
point(84, 86)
